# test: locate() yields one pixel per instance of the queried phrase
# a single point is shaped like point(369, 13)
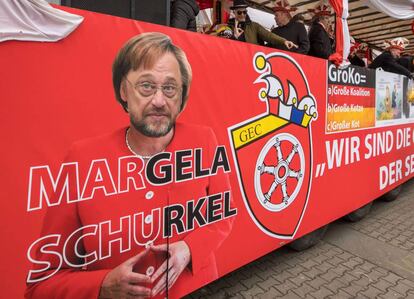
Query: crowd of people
point(391, 60)
point(291, 34)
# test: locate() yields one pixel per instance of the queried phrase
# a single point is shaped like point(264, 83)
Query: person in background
point(320, 42)
point(407, 61)
point(300, 19)
point(183, 14)
point(357, 54)
point(290, 28)
point(388, 59)
point(248, 31)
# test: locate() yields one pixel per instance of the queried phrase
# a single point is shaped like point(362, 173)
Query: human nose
point(158, 98)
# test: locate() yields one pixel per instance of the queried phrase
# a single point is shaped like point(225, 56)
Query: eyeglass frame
point(157, 87)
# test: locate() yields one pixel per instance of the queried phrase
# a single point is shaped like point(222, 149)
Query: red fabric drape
point(340, 14)
point(205, 4)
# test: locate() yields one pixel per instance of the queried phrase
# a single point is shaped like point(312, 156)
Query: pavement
point(372, 258)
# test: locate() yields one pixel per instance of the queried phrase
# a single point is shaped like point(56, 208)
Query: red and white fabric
point(394, 8)
point(342, 32)
point(397, 43)
point(35, 20)
point(283, 5)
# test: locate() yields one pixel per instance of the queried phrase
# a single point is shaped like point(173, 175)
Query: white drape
point(345, 30)
point(35, 20)
point(399, 9)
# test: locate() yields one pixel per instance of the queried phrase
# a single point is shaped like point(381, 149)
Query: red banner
point(250, 167)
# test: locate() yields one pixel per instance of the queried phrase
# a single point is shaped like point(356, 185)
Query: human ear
point(123, 91)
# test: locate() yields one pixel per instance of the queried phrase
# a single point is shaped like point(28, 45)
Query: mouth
point(157, 116)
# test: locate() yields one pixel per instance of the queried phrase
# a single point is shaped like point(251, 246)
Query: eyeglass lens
point(149, 89)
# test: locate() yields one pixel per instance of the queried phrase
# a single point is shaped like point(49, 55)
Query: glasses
point(147, 89)
point(240, 12)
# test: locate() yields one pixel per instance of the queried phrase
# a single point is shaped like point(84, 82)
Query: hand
point(179, 258)
point(237, 31)
point(122, 283)
point(290, 45)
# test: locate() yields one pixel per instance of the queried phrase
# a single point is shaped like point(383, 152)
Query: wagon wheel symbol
point(286, 178)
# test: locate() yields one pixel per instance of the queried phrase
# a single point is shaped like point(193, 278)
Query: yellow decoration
point(306, 119)
point(410, 95)
point(260, 62)
point(254, 130)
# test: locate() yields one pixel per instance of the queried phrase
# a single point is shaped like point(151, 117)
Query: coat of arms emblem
point(273, 150)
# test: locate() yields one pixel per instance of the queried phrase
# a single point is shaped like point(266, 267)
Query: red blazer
point(102, 215)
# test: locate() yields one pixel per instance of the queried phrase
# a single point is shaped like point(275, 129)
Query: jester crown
point(286, 106)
